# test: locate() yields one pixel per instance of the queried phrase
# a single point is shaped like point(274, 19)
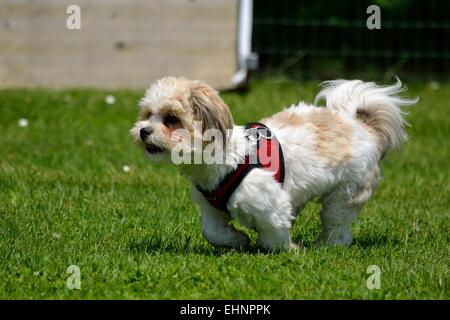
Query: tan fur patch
point(209, 108)
point(144, 114)
point(333, 136)
point(286, 118)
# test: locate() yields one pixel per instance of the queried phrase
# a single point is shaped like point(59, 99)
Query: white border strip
point(246, 59)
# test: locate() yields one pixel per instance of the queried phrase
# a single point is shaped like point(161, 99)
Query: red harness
point(269, 157)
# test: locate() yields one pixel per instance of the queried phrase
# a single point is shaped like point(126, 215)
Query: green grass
point(65, 199)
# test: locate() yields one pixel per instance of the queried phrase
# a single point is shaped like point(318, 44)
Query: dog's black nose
point(144, 133)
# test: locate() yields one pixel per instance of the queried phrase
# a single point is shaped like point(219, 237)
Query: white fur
point(261, 203)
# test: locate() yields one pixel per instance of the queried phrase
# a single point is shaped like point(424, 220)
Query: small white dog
point(331, 153)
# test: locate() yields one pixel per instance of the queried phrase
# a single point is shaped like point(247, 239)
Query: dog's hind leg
point(341, 208)
point(337, 218)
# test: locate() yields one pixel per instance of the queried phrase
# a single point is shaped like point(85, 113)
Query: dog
point(330, 153)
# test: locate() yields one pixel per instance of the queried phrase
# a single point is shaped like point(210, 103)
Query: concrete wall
point(121, 44)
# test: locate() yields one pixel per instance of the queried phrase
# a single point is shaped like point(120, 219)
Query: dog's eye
point(170, 120)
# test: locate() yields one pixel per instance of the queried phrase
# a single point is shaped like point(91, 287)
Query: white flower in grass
point(110, 99)
point(23, 122)
point(56, 235)
point(126, 168)
point(36, 273)
point(68, 100)
point(434, 85)
point(415, 227)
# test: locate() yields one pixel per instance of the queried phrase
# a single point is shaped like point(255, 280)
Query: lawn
point(67, 198)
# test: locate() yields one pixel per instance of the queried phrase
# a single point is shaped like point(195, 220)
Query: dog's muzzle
point(144, 134)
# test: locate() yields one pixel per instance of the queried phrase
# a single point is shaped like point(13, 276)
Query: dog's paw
point(239, 241)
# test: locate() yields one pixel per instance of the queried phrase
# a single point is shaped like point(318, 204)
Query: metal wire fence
point(330, 38)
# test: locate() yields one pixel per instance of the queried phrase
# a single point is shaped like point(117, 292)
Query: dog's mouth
point(151, 148)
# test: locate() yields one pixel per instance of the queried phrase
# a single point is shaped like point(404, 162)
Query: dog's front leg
point(216, 229)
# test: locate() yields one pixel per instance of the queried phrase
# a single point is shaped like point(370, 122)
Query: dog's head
point(175, 111)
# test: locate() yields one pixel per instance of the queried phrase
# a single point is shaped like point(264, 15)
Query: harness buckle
point(255, 134)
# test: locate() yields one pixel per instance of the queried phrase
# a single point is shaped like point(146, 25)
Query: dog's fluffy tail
point(377, 106)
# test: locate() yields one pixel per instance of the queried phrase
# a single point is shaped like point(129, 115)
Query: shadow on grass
point(155, 244)
point(183, 245)
point(363, 242)
point(374, 241)
point(179, 246)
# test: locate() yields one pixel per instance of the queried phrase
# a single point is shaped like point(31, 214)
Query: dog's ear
point(209, 108)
